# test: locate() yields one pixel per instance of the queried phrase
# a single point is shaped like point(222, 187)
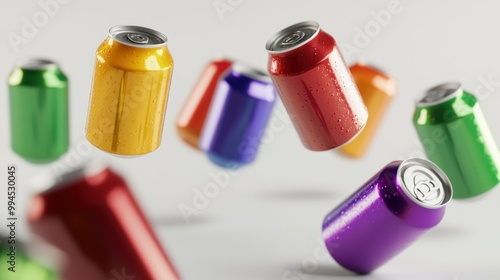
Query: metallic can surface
point(26, 268)
point(133, 69)
point(385, 215)
point(38, 93)
point(238, 117)
point(192, 117)
point(456, 136)
point(315, 85)
point(377, 90)
point(94, 219)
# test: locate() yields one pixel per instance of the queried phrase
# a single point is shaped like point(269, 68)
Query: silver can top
point(137, 36)
point(440, 94)
point(37, 64)
point(292, 37)
point(251, 72)
point(87, 169)
point(424, 183)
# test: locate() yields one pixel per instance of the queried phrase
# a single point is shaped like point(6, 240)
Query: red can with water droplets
point(316, 86)
point(94, 219)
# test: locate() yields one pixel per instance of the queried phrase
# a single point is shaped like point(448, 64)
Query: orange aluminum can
point(377, 90)
point(133, 69)
point(192, 117)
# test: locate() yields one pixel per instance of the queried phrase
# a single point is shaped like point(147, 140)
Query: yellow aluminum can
point(133, 70)
point(377, 90)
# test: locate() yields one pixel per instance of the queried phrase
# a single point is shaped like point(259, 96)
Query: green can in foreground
point(38, 92)
point(456, 137)
point(16, 265)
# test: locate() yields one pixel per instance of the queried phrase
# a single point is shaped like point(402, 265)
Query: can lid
point(251, 72)
point(440, 94)
point(292, 37)
point(87, 169)
point(424, 183)
point(37, 64)
point(137, 36)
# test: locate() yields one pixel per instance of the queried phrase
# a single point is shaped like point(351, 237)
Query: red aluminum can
point(94, 219)
point(316, 86)
point(192, 117)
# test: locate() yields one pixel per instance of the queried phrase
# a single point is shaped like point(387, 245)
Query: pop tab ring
point(424, 183)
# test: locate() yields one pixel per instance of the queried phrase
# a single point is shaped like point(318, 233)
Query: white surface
point(267, 220)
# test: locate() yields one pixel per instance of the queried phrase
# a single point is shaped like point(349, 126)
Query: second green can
point(39, 111)
point(456, 137)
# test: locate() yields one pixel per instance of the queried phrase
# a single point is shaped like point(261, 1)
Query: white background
point(268, 219)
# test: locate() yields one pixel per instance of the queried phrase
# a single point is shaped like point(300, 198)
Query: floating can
point(93, 218)
point(23, 267)
point(456, 136)
point(192, 117)
point(38, 93)
point(133, 69)
point(389, 212)
point(316, 86)
point(377, 90)
point(238, 117)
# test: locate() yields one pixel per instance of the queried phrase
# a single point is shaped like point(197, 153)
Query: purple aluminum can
point(394, 208)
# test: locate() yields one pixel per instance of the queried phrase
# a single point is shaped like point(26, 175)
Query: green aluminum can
point(456, 137)
point(17, 265)
point(38, 92)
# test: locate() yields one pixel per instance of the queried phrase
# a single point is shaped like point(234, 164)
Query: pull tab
point(138, 38)
point(293, 39)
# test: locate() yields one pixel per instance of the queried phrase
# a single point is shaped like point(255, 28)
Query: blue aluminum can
point(238, 117)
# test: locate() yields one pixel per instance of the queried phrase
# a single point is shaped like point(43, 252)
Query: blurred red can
point(316, 86)
point(94, 219)
point(192, 117)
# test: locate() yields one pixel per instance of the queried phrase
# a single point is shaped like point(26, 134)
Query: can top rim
point(137, 36)
point(37, 64)
point(440, 94)
point(251, 72)
point(88, 169)
point(424, 183)
point(292, 37)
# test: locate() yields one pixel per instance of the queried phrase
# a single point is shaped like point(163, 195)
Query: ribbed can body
point(384, 216)
point(39, 111)
point(238, 118)
point(193, 114)
point(377, 90)
point(128, 97)
point(455, 135)
point(317, 89)
point(94, 219)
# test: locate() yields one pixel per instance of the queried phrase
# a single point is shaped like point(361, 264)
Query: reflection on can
point(377, 90)
point(456, 136)
point(129, 94)
point(92, 216)
point(385, 215)
point(315, 85)
point(38, 92)
point(192, 117)
point(238, 117)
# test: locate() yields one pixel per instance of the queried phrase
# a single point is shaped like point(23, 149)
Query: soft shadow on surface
point(324, 271)
point(297, 195)
point(171, 221)
point(332, 270)
point(445, 232)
